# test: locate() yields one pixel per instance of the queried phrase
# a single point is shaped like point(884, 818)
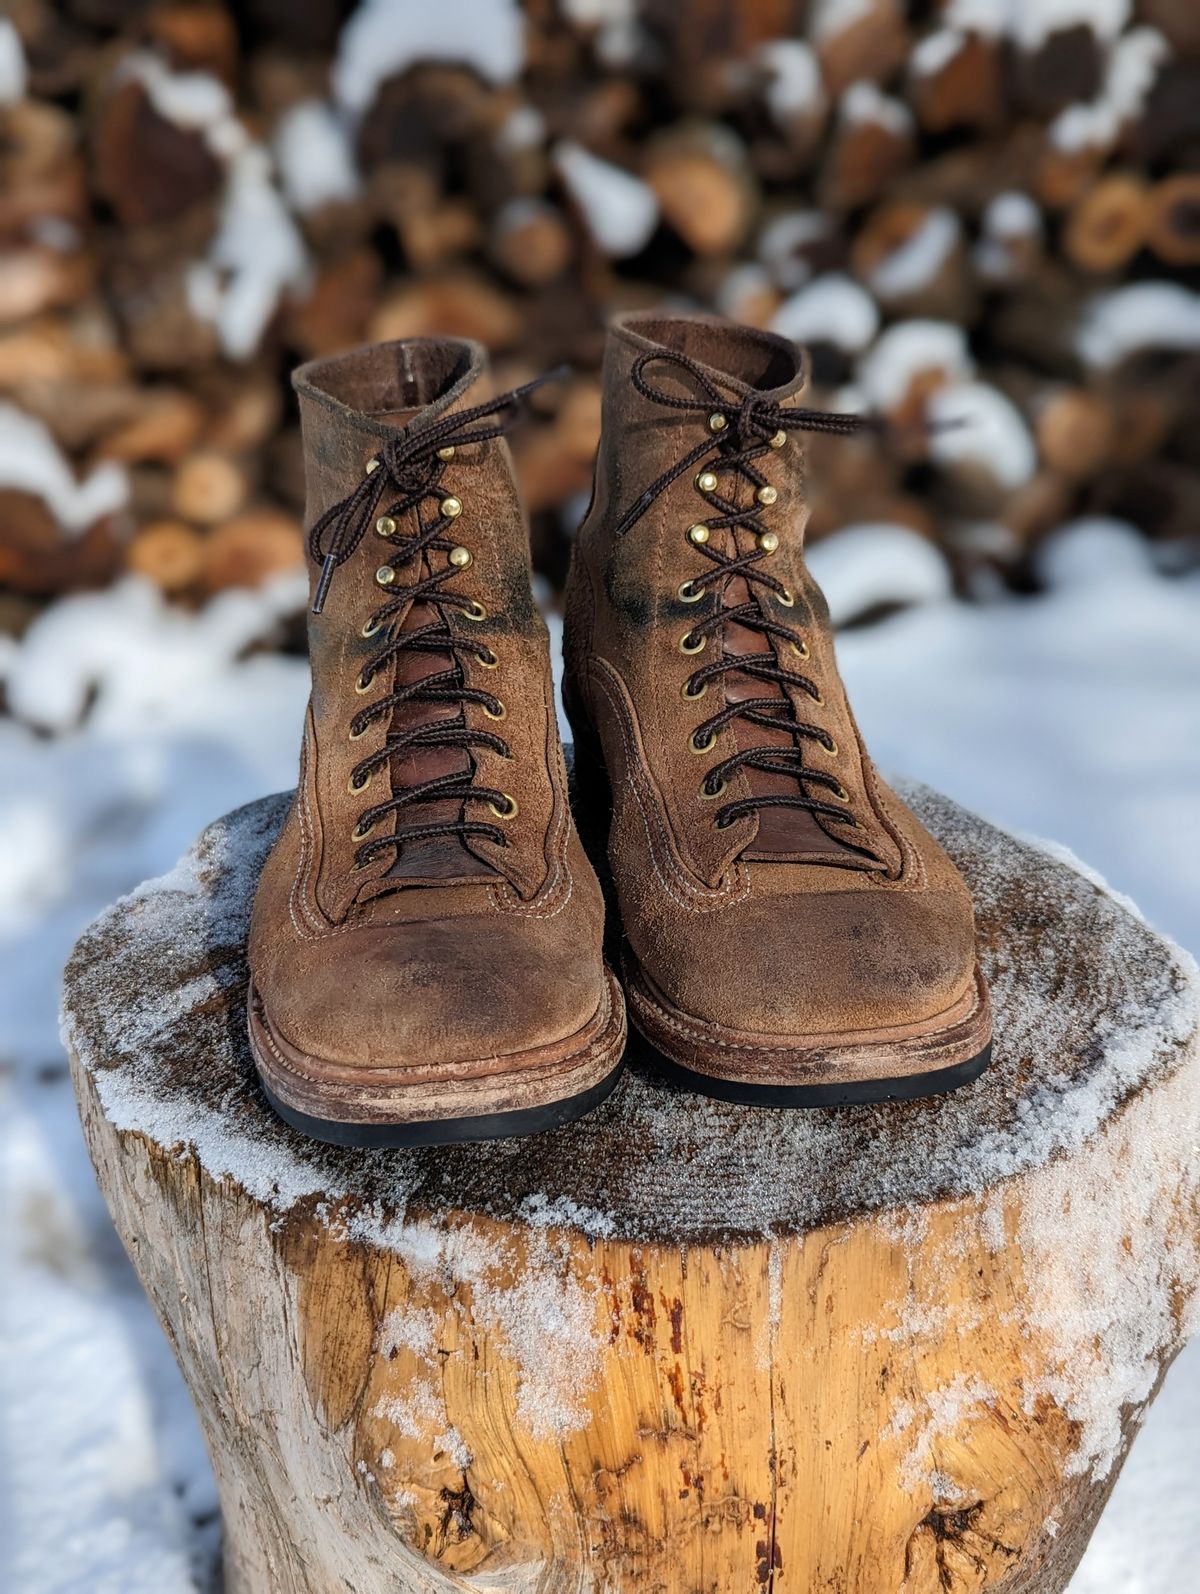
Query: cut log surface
point(680, 1347)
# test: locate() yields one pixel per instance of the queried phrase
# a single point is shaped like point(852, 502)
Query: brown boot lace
point(740, 432)
point(406, 473)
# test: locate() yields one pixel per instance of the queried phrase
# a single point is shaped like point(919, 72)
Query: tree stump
point(680, 1347)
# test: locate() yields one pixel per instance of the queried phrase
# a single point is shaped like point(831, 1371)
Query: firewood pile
point(983, 215)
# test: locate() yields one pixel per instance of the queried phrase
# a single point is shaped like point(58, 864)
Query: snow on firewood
point(384, 38)
point(316, 161)
point(974, 424)
point(1142, 315)
point(1133, 65)
point(620, 210)
point(917, 261)
point(794, 88)
point(909, 349)
point(833, 309)
point(32, 462)
point(12, 64)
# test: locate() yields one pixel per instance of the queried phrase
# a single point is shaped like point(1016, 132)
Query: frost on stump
point(682, 1344)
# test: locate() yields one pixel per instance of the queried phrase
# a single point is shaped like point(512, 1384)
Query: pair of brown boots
point(426, 953)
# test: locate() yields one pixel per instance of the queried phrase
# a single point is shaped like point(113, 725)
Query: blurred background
point(984, 212)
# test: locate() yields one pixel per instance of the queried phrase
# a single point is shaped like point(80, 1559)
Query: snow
point(975, 424)
point(257, 253)
point(794, 86)
point(864, 102)
point(255, 257)
point(935, 51)
point(916, 262)
point(782, 239)
point(1010, 218)
point(620, 210)
point(32, 462)
point(831, 17)
point(1141, 315)
point(1031, 22)
point(383, 38)
point(1072, 713)
point(196, 101)
point(909, 349)
point(12, 64)
point(833, 309)
point(1133, 65)
point(315, 157)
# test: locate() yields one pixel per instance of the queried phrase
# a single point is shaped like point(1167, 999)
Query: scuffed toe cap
point(819, 963)
point(428, 995)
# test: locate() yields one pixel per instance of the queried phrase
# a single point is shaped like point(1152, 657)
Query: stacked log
point(195, 196)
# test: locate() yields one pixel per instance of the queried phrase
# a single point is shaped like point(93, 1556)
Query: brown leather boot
point(793, 935)
point(425, 950)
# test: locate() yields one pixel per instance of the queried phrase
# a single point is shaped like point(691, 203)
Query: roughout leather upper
point(477, 950)
point(779, 923)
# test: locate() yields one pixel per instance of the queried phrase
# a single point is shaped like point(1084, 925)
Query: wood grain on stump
point(681, 1347)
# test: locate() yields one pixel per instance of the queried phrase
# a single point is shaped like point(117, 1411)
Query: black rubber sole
point(446, 1131)
point(853, 1093)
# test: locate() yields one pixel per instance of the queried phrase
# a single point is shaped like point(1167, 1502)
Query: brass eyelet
point(385, 576)
point(786, 597)
point(707, 481)
point(354, 735)
point(817, 699)
point(385, 526)
point(766, 495)
point(702, 747)
point(451, 507)
point(768, 542)
point(505, 813)
point(831, 747)
point(694, 697)
point(357, 786)
point(777, 439)
point(372, 466)
point(707, 796)
point(698, 648)
point(475, 611)
point(492, 663)
point(446, 453)
point(699, 534)
point(361, 686)
point(360, 833)
point(800, 649)
point(717, 422)
point(688, 592)
point(841, 795)
point(371, 627)
point(503, 714)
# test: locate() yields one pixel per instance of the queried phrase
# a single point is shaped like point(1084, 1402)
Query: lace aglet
point(328, 566)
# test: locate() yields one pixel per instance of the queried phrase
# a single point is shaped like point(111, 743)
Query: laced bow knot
point(752, 419)
point(410, 471)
